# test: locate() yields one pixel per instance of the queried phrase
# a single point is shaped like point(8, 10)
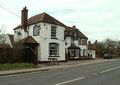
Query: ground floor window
point(84, 52)
point(74, 52)
point(77, 52)
point(53, 49)
point(71, 52)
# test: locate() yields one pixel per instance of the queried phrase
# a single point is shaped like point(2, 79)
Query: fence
point(17, 55)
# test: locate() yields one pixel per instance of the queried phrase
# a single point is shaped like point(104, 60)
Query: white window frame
point(53, 50)
point(36, 30)
point(53, 32)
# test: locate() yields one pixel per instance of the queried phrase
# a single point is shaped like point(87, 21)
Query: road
point(105, 73)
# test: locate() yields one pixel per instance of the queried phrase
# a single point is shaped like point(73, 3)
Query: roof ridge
point(42, 17)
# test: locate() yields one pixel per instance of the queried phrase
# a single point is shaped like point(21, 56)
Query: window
point(53, 32)
point(36, 30)
point(71, 51)
point(83, 41)
point(53, 49)
point(19, 34)
point(75, 36)
point(77, 52)
point(83, 52)
point(79, 41)
point(72, 41)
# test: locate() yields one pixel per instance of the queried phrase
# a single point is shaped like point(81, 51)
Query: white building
point(92, 50)
point(49, 38)
point(76, 43)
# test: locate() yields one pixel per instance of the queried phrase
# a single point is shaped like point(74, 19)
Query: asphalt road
point(106, 73)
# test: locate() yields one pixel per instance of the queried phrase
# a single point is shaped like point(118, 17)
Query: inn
point(50, 38)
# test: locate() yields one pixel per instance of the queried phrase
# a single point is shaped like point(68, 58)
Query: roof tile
point(43, 17)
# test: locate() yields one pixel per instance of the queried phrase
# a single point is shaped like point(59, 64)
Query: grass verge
point(16, 66)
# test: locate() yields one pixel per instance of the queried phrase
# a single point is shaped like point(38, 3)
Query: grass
point(16, 66)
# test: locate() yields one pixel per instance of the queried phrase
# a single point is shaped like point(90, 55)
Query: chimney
point(96, 42)
point(74, 26)
point(89, 42)
point(24, 17)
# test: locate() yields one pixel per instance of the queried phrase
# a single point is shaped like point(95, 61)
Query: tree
point(2, 34)
point(109, 46)
point(100, 49)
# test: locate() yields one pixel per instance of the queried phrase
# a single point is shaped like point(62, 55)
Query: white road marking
point(109, 69)
point(70, 81)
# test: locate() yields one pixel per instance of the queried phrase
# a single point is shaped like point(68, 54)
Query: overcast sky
point(97, 19)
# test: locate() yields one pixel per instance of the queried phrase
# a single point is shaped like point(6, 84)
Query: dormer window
point(79, 41)
point(75, 36)
point(83, 41)
point(53, 32)
point(36, 30)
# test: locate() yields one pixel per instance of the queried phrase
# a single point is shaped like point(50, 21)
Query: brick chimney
point(24, 17)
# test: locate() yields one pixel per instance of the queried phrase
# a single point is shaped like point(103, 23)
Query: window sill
point(54, 38)
point(54, 56)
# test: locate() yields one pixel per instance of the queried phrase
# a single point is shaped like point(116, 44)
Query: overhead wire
point(8, 10)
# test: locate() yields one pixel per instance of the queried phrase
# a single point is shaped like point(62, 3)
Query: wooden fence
point(17, 55)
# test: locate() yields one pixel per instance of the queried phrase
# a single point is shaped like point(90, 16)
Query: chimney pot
point(24, 17)
point(89, 42)
point(74, 26)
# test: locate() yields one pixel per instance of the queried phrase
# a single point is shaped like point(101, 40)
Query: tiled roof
point(71, 30)
point(73, 46)
point(43, 17)
point(91, 46)
point(28, 40)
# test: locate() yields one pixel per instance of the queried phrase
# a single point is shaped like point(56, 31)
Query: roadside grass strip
point(14, 66)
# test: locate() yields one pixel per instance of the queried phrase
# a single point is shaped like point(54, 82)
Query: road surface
point(105, 73)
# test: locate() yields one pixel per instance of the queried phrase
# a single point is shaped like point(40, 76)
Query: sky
point(97, 19)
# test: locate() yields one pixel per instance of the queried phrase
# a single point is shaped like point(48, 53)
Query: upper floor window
point(72, 40)
point(79, 41)
point(53, 32)
point(84, 41)
point(36, 30)
point(75, 36)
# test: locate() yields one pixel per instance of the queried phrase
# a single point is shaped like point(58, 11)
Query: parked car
point(107, 56)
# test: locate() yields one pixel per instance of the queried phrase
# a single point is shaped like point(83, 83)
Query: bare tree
point(2, 34)
point(110, 46)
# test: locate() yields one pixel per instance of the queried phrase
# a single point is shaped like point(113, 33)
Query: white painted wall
point(82, 47)
point(17, 37)
point(92, 53)
point(44, 39)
